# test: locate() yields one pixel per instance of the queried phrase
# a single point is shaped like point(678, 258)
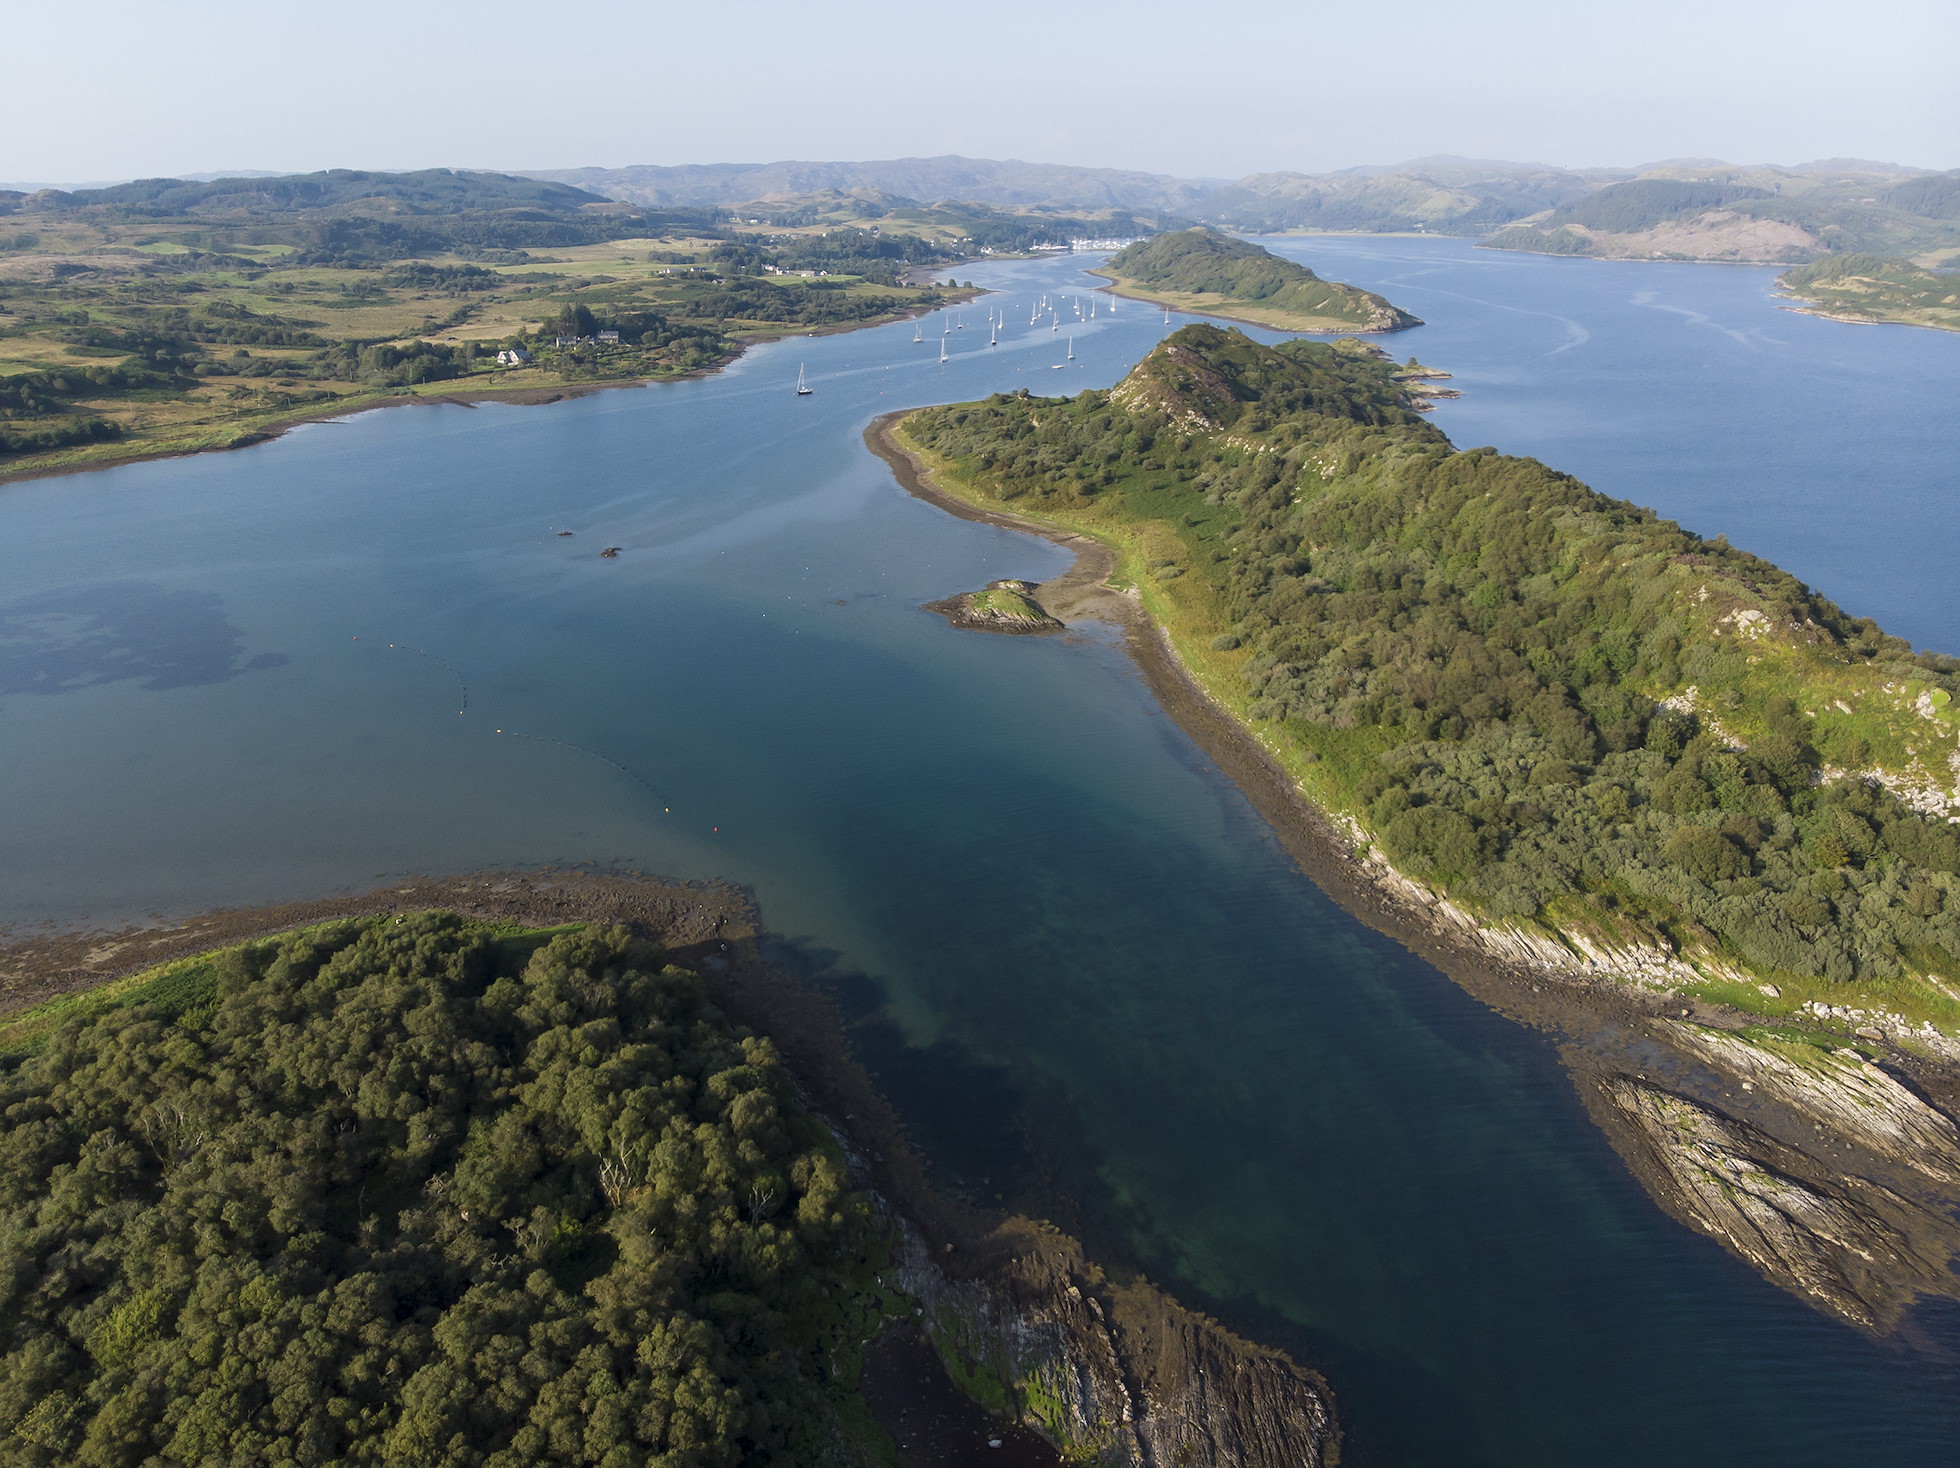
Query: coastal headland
point(999, 1342)
point(1745, 1106)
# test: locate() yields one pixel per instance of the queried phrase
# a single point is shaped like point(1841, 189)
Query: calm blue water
point(1831, 449)
point(1087, 972)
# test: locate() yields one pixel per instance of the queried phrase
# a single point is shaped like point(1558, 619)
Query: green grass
point(1002, 601)
point(973, 1376)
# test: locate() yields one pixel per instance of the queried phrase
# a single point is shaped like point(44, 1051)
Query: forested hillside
point(1566, 713)
point(390, 1191)
point(1201, 269)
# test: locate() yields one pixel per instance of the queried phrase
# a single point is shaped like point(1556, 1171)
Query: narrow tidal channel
point(1084, 968)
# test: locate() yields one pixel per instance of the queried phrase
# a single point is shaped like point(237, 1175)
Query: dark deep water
point(1090, 977)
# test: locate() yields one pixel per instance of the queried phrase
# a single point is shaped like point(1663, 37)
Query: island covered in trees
point(1600, 739)
point(1204, 271)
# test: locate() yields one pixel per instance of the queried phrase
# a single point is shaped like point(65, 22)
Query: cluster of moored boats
point(997, 327)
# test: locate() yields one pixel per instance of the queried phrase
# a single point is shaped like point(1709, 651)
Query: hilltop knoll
point(1203, 270)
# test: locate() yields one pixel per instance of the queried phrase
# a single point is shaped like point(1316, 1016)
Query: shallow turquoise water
point(1085, 969)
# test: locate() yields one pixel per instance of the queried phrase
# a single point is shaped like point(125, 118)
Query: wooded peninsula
point(1877, 288)
point(1599, 739)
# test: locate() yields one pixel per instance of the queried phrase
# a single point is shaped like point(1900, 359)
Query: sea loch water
point(1083, 967)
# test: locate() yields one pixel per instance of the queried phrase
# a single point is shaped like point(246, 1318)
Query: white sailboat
point(942, 349)
point(918, 331)
point(1071, 347)
point(803, 388)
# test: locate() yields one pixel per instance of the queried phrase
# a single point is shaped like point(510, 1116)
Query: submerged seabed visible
point(1084, 968)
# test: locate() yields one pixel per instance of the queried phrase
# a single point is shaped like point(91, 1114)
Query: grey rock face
point(1114, 1374)
point(1848, 1245)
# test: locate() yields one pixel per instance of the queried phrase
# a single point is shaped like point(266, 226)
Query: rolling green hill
point(1744, 214)
point(1203, 270)
point(1579, 722)
point(434, 190)
point(1877, 288)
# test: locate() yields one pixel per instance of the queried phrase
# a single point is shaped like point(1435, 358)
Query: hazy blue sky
point(117, 88)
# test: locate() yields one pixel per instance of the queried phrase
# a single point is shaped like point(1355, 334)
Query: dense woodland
point(385, 1192)
point(1553, 705)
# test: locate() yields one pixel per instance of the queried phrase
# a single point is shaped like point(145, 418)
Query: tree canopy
point(384, 1192)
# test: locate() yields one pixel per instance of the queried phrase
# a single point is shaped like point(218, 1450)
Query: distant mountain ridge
point(975, 180)
point(430, 190)
point(1789, 213)
point(1703, 211)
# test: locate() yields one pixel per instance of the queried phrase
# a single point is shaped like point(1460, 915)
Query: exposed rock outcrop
point(1830, 1175)
point(1118, 1374)
point(1841, 1091)
point(1847, 1244)
point(1005, 606)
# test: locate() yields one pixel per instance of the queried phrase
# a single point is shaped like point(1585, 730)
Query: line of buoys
point(636, 778)
point(461, 683)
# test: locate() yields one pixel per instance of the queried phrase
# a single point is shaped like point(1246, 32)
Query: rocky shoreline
point(1058, 1362)
point(1886, 1237)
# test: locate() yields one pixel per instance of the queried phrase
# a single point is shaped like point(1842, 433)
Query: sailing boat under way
point(803, 388)
point(942, 349)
